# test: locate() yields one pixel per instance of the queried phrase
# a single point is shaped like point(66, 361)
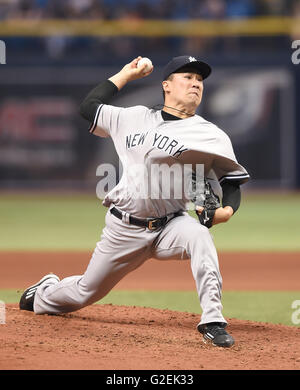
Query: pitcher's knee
point(196, 231)
point(199, 241)
point(88, 295)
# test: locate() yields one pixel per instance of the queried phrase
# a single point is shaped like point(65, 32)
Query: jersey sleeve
point(226, 166)
point(112, 121)
point(106, 121)
point(228, 170)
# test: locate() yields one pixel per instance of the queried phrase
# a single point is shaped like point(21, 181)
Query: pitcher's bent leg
point(104, 271)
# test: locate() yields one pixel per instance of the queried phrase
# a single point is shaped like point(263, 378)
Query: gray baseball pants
point(122, 249)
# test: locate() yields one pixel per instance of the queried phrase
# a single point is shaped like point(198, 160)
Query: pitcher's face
point(184, 89)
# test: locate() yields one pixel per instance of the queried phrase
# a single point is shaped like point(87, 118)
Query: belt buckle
point(150, 224)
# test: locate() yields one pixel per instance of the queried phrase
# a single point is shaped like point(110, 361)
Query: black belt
point(149, 223)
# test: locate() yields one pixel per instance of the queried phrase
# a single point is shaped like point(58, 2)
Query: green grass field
point(265, 222)
point(263, 306)
point(36, 222)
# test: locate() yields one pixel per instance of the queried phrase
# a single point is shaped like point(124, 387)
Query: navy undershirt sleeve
point(231, 195)
point(99, 95)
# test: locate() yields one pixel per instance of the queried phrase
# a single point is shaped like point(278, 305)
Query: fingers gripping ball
point(146, 61)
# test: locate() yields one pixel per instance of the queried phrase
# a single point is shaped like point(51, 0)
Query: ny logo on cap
point(192, 59)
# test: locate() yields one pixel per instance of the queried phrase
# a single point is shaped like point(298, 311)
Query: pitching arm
point(101, 94)
point(105, 91)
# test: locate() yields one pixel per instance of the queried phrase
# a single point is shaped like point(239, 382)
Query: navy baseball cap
point(177, 63)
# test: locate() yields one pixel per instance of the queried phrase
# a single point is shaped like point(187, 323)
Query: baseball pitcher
point(140, 225)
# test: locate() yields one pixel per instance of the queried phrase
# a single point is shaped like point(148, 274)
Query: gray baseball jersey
point(142, 140)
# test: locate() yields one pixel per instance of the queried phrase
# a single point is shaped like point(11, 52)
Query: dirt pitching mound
point(109, 337)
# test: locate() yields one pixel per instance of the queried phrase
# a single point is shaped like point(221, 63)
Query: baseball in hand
point(146, 61)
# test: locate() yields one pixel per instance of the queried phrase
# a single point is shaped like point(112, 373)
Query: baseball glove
point(209, 202)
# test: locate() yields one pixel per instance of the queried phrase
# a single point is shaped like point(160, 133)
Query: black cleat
point(215, 333)
point(27, 298)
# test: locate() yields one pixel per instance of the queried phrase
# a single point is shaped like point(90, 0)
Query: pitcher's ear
point(165, 85)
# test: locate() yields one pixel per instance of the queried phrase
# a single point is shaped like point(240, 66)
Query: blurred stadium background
point(56, 51)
